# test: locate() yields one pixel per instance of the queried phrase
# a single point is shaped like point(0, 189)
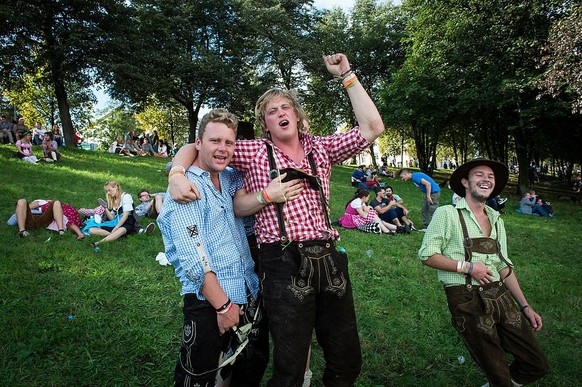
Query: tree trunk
point(64, 112)
point(193, 118)
point(522, 160)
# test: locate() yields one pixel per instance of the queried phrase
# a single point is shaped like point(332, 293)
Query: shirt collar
point(491, 213)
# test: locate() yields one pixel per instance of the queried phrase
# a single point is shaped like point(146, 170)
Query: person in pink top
point(363, 217)
point(306, 284)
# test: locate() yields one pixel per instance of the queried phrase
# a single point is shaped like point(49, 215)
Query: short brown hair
point(218, 115)
point(271, 94)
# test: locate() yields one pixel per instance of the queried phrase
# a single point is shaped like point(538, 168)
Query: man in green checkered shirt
point(467, 244)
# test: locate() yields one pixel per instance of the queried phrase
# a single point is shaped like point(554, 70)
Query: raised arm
point(367, 115)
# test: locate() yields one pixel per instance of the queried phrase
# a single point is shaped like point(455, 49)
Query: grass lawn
point(72, 317)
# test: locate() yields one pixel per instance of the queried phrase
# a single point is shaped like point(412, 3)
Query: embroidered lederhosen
point(496, 302)
point(480, 245)
point(316, 256)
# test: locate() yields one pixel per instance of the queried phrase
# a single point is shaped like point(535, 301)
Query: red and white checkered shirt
point(304, 217)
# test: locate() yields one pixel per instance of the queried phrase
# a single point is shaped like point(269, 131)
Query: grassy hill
point(72, 317)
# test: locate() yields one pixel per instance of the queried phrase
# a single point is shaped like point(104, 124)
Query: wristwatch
point(260, 198)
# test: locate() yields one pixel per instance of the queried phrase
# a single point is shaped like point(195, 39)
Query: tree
point(562, 59)
point(370, 35)
point(116, 122)
point(170, 121)
point(189, 52)
point(477, 61)
point(35, 99)
point(63, 39)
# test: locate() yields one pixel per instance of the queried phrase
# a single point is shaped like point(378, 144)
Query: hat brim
point(499, 169)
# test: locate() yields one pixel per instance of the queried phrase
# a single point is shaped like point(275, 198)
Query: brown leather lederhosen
point(484, 245)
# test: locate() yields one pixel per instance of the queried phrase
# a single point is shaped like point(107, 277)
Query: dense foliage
point(478, 77)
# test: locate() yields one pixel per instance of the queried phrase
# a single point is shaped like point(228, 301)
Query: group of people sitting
point(112, 219)
point(50, 148)
point(131, 146)
point(367, 178)
point(532, 204)
point(386, 214)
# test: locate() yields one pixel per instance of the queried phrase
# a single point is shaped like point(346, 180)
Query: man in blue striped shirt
point(208, 248)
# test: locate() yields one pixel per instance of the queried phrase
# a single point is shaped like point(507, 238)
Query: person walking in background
point(306, 283)
point(430, 189)
point(467, 244)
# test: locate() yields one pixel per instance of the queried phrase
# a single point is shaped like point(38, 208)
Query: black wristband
point(223, 307)
point(523, 307)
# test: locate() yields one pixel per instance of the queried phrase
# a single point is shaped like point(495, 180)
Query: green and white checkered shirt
point(444, 236)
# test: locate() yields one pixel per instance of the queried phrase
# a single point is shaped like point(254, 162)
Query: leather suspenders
point(274, 173)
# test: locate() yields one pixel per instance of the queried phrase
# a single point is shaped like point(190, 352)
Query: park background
point(452, 80)
point(126, 312)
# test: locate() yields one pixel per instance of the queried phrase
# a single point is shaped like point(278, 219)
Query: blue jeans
point(391, 214)
point(537, 209)
point(307, 286)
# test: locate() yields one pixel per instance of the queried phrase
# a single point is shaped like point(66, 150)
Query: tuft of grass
point(70, 316)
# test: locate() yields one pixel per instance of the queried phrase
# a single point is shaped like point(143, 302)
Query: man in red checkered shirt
point(305, 281)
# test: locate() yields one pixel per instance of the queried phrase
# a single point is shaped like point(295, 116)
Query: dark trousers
point(491, 326)
point(307, 286)
point(202, 345)
point(391, 214)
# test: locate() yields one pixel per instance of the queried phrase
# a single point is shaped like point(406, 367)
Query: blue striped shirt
point(208, 224)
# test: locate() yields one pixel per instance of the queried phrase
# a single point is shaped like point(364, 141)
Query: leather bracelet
point(523, 307)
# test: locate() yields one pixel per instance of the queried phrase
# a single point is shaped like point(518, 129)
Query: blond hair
point(113, 201)
point(218, 115)
point(289, 95)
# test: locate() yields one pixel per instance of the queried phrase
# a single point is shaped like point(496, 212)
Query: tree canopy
point(495, 78)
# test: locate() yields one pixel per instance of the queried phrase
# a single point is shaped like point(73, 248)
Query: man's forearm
point(185, 156)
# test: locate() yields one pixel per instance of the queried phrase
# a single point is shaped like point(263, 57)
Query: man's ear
point(465, 182)
point(197, 144)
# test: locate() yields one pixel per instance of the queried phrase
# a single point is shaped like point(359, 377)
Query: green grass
point(127, 310)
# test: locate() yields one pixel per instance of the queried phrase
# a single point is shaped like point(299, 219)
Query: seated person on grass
point(359, 178)
point(150, 206)
point(373, 180)
point(363, 217)
point(50, 148)
point(120, 220)
point(529, 207)
point(390, 209)
point(45, 213)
